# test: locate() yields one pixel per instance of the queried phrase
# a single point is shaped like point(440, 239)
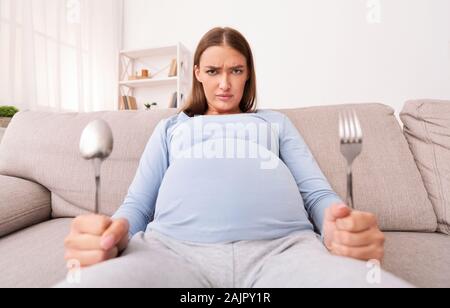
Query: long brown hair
point(196, 103)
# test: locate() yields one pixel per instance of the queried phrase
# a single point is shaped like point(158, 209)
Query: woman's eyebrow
point(218, 68)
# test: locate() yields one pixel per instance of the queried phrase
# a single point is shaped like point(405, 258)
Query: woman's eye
point(238, 72)
point(211, 72)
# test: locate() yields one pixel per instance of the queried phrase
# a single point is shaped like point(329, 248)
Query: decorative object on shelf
point(173, 68)
point(145, 74)
point(133, 77)
point(6, 114)
point(127, 103)
point(149, 106)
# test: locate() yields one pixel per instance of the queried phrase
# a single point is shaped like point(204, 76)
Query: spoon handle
point(97, 194)
point(97, 166)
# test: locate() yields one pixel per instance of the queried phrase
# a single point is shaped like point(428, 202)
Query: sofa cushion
point(419, 258)
point(48, 144)
point(34, 257)
point(427, 129)
point(386, 179)
point(22, 204)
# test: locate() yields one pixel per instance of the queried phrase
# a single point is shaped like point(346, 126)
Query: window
point(50, 54)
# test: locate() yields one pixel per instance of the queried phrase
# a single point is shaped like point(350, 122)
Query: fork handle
point(350, 187)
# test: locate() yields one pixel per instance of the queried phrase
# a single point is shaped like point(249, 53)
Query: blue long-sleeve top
point(226, 178)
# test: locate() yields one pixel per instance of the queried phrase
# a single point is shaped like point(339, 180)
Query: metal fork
point(351, 136)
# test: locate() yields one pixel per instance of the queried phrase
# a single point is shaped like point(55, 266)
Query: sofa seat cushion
point(34, 257)
point(419, 258)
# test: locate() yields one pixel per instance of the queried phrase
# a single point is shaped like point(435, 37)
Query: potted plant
point(149, 106)
point(6, 114)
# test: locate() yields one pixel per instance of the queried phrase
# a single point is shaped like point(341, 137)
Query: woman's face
point(223, 72)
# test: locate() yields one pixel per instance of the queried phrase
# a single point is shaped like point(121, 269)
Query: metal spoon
point(96, 144)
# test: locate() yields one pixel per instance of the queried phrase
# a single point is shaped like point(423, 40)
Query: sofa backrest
point(385, 177)
point(43, 147)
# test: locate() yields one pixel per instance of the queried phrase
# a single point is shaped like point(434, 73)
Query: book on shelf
point(173, 100)
point(173, 68)
point(127, 103)
point(174, 103)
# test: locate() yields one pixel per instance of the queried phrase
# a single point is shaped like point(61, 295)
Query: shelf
point(150, 52)
point(150, 82)
point(162, 87)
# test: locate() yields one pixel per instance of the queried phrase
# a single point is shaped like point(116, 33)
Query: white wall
point(316, 52)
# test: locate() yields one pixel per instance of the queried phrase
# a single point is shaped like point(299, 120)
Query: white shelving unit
point(157, 60)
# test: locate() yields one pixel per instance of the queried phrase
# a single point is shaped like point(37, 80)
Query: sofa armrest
point(22, 204)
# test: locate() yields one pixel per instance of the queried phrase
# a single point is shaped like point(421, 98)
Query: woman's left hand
point(353, 234)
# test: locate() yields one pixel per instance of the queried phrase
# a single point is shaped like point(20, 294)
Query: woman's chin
point(226, 106)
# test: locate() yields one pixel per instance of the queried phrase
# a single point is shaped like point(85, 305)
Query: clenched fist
point(95, 238)
point(352, 234)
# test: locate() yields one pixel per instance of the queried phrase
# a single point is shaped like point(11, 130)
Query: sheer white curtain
point(60, 55)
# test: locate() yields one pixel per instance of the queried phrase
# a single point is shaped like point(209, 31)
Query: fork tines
point(349, 127)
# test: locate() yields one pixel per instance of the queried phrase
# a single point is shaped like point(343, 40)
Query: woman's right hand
point(94, 239)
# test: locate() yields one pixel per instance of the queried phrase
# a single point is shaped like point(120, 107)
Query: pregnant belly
point(223, 194)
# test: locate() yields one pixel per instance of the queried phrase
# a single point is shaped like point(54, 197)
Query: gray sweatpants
point(298, 260)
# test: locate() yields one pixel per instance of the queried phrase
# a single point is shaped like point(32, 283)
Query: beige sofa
point(44, 183)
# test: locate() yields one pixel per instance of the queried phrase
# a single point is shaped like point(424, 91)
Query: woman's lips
point(224, 98)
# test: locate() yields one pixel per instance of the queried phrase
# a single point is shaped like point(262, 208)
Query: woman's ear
point(197, 73)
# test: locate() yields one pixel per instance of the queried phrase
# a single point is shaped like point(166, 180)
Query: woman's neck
point(209, 112)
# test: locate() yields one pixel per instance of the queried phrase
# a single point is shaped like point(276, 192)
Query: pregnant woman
point(228, 196)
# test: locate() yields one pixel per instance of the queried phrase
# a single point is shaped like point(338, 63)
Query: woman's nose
point(224, 82)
